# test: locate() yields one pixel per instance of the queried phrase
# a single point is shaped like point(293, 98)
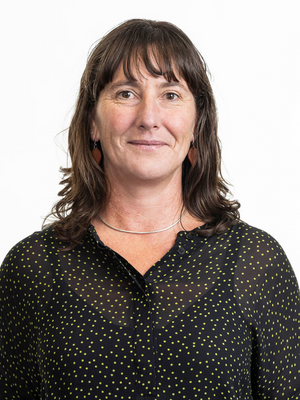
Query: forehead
point(138, 63)
point(138, 71)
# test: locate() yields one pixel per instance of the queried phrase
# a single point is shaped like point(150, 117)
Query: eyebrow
point(172, 84)
point(121, 83)
point(135, 83)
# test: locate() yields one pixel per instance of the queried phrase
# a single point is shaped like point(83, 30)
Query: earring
point(96, 153)
point(192, 154)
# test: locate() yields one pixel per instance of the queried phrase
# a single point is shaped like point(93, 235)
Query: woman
point(147, 285)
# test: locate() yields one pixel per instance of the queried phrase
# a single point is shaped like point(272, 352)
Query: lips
point(146, 145)
point(147, 142)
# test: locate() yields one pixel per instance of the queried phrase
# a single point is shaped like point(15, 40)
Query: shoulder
point(260, 258)
point(37, 242)
point(246, 232)
point(26, 275)
point(261, 262)
point(258, 250)
point(30, 255)
point(256, 242)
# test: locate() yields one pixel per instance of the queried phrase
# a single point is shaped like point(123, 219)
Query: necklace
point(143, 233)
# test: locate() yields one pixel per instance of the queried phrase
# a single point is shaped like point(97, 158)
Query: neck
point(143, 208)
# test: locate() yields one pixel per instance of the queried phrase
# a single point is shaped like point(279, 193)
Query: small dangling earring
point(96, 153)
point(192, 154)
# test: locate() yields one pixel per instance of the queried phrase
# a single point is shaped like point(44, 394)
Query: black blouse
point(215, 318)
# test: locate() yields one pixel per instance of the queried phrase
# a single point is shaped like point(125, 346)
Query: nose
point(148, 117)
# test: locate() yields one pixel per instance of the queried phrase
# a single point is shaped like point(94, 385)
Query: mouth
point(147, 144)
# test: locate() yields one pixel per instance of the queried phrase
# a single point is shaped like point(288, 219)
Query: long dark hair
point(164, 49)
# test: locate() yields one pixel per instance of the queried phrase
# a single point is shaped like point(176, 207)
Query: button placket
point(144, 352)
point(181, 251)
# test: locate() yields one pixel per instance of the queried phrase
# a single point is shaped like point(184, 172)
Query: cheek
point(183, 125)
point(114, 124)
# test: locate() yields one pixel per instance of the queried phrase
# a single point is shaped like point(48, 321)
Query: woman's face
point(145, 127)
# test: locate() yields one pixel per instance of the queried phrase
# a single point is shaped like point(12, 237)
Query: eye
point(125, 94)
point(171, 96)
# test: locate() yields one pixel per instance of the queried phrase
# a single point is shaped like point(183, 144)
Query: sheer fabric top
point(215, 318)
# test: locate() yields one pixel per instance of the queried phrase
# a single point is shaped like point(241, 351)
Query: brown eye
point(171, 96)
point(125, 94)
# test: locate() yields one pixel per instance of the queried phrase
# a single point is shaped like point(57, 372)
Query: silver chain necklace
point(142, 233)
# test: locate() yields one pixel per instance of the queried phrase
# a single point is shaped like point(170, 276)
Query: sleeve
point(25, 288)
point(268, 293)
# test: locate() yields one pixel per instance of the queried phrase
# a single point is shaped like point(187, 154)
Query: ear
point(95, 136)
point(192, 139)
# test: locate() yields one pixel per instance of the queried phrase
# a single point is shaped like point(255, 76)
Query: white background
point(253, 51)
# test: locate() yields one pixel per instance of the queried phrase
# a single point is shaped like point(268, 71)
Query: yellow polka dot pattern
point(215, 318)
